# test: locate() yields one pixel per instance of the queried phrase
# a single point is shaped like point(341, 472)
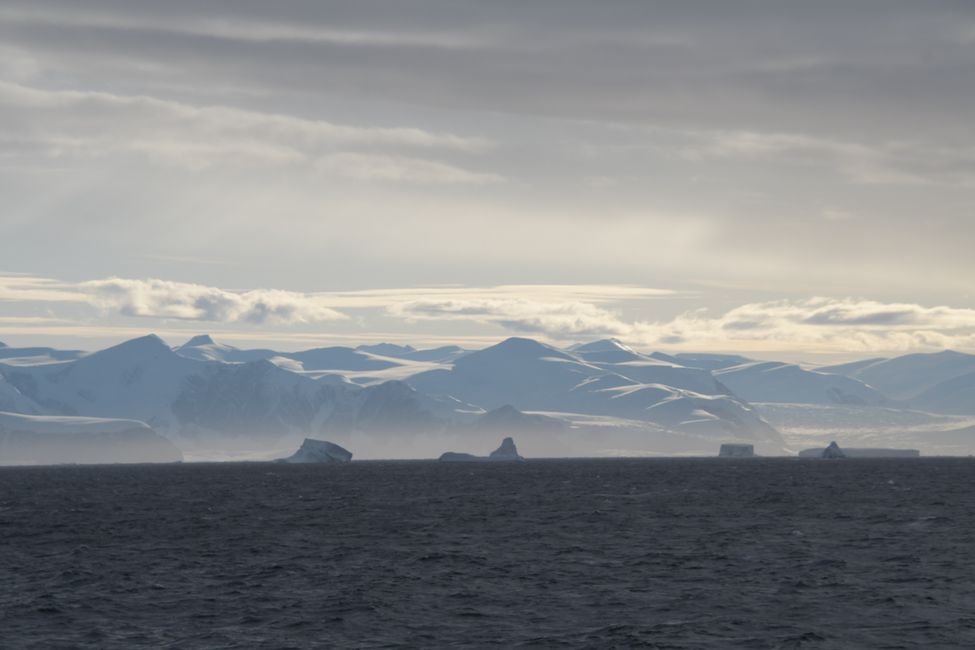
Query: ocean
point(612, 553)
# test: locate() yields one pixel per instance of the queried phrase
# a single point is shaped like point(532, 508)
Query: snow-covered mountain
point(908, 376)
point(204, 348)
point(144, 379)
point(34, 355)
point(704, 361)
point(532, 376)
point(772, 381)
point(363, 365)
point(955, 396)
point(613, 356)
point(444, 354)
point(601, 397)
point(14, 401)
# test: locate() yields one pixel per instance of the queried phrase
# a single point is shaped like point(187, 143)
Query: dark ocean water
point(548, 554)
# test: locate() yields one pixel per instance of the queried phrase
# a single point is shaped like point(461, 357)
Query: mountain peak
point(198, 340)
point(603, 345)
point(387, 349)
point(517, 346)
point(3, 345)
point(149, 341)
point(142, 345)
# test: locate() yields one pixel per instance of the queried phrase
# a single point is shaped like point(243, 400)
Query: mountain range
point(596, 398)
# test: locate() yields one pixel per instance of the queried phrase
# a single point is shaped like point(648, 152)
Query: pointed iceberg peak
point(198, 340)
point(833, 451)
point(3, 345)
point(507, 451)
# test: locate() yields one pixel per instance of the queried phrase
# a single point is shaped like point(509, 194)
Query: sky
point(787, 180)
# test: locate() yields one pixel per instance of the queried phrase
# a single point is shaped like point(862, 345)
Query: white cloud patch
point(554, 319)
point(163, 299)
point(27, 288)
point(817, 324)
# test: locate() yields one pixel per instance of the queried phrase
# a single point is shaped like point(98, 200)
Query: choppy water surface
point(562, 554)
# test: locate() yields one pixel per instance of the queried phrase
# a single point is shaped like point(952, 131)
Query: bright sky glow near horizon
point(783, 180)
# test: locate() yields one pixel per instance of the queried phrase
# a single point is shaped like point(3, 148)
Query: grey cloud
point(800, 69)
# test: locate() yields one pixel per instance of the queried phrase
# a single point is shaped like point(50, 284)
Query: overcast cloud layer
point(744, 175)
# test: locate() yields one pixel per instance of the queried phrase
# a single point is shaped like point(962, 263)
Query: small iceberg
point(506, 453)
point(318, 451)
point(729, 450)
point(859, 452)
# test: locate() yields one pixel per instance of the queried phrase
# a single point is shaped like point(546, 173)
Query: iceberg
point(55, 440)
point(861, 452)
point(832, 451)
point(318, 451)
point(729, 450)
point(506, 453)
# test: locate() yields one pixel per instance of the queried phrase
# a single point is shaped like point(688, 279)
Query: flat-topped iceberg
point(730, 450)
point(506, 453)
point(55, 440)
point(318, 451)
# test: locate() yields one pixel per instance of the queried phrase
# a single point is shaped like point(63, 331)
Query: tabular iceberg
point(52, 440)
point(729, 450)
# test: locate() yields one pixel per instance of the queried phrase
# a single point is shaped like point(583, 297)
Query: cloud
point(400, 169)
point(817, 325)
point(65, 125)
point(554, 319)
point(163, 299)
point(560, 313)
point(813, 325)
point(28, 288)
point(885, 163)
point(232, 27)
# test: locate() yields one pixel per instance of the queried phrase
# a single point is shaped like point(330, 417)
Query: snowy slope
point(186, 398)
point(14, 401)
point(531, 376)
point(444, 354)
point(707, 361)
point(954, 396)
point(613, 356)
point(771, 381)
point(909, 376)
point(34, 355)
point(335, 358)
point(138, 379)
